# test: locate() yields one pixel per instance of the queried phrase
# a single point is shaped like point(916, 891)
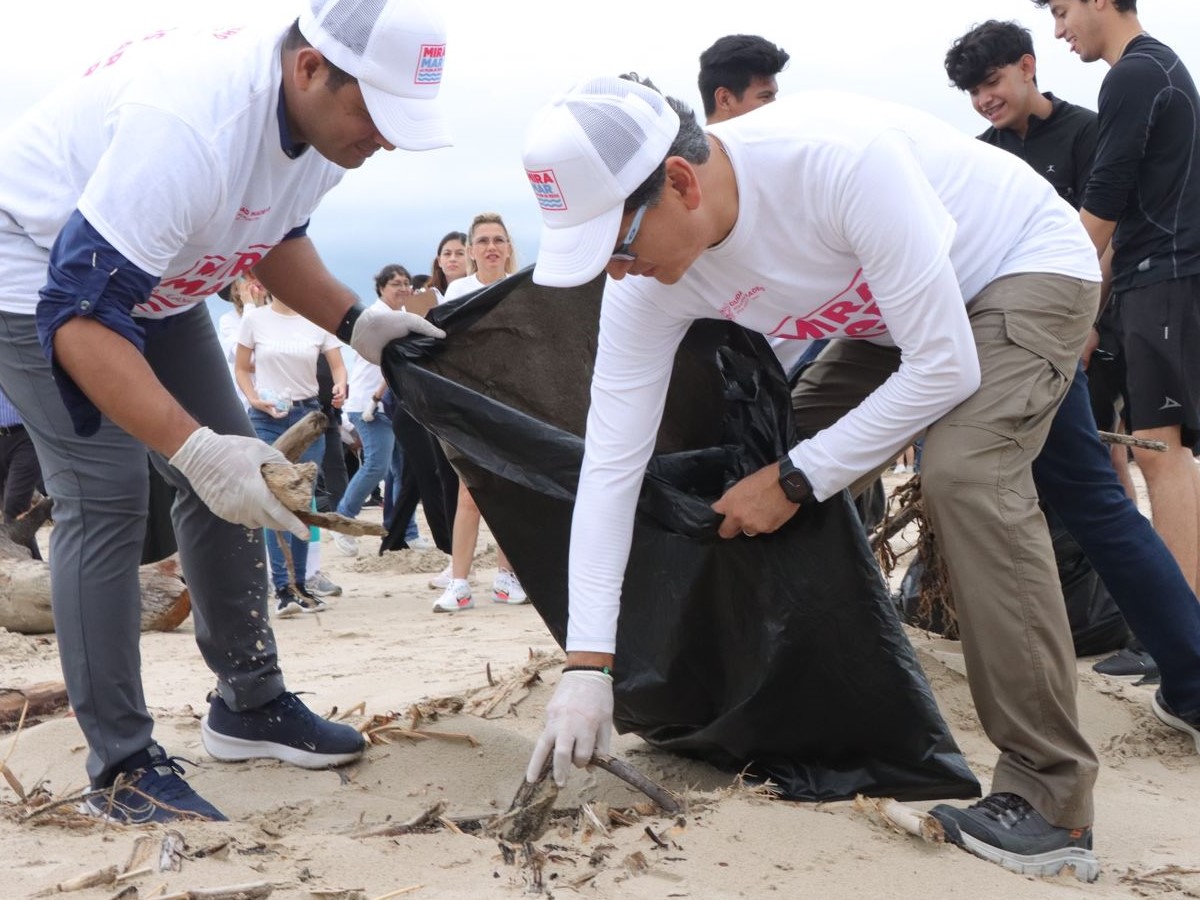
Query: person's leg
point(1173, 485)
point(377, 440)
point(977, 484)
point(1159, 325)
point(98, 485)
point(267, 428)
point(21, 473)
point(221, 561)
point(1076, 481)
point(466, 534)
point(422, 481)
point(333, 463)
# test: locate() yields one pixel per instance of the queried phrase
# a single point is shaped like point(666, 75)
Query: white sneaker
point(442, 579)
point(507, 589)
point(456, 596)
point(347, 544)
point(420, 543)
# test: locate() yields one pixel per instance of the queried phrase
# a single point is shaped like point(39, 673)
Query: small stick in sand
point(257, 890)
point(95, 878)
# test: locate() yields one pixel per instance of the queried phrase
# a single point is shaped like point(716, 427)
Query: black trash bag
point(1097, 626)
point(780, 655)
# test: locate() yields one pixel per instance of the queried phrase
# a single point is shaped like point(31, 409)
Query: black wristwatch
point(795, 486)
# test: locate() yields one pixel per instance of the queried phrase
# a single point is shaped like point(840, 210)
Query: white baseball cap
point(396, 50)
point(584, 155)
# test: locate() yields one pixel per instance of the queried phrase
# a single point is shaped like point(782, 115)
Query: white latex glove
point(225, 472)
point(578, 723)
point(378, 324)
point(368, 414)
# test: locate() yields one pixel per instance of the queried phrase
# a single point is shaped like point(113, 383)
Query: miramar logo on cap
point(429, 64)
point(545, 188)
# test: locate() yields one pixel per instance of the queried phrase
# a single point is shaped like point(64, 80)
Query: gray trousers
point(99, 485)
point(977, 483)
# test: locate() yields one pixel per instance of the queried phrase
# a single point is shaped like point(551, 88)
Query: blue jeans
point(268, 429)
point(377, 440)
point(1076, 480)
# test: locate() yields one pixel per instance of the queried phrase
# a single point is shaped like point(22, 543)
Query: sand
point(305, 833)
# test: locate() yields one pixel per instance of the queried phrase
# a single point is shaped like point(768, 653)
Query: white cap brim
point(569, 257)
point(406, 123)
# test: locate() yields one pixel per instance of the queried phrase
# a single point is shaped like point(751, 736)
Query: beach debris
point(257, 890)
point(337, 893)
point(428, 820)
point(25, 593)
point(399, 892)
point(903, 819)
point(501, 695)
point(96, 878)
point(292, 482)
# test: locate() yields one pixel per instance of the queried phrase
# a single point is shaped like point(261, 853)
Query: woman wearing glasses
point(490, 256)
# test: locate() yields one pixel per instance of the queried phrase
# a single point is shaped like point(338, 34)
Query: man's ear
point(724, 98)
point(683, 180)
point(1028, 66)
point(308, 67)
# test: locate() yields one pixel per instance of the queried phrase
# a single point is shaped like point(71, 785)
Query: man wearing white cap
point(958, 290)
point(176, 163)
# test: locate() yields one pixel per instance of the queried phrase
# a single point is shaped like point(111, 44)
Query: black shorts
point(1159, 326)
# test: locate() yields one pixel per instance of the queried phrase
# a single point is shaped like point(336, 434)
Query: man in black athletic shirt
point(1142, 206)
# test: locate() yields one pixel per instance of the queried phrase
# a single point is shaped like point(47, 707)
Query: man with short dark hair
point(737, 75)
point(994, 64)
point(1142, 212)
point(178, 162)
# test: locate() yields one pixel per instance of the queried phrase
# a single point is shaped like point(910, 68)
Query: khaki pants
point(980, 499)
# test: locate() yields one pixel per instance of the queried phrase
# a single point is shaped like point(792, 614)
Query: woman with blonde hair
point(491, 258)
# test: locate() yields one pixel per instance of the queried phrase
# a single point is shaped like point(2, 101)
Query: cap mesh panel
point(349, 22)
point(614, 134)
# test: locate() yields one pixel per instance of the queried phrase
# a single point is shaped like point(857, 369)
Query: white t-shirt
point(285, 348)
point(228, 327)
point(848, 211)
point(170, 148)
point(362, 382)
point(460, 286)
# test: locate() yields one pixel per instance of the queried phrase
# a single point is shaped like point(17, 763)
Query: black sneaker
point(149, 789)
point(1129, 664)
point(290, 600)
point(283, 729)
point(1170, 717)
point(1003, 828)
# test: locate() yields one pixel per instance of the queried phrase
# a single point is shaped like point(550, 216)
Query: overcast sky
point(506, 59)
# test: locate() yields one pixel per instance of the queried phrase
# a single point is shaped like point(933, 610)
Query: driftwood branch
point(1127, 440)
point(666, 801)
point(293, 483)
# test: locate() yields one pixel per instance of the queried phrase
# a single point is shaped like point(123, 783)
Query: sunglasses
point(623, 252)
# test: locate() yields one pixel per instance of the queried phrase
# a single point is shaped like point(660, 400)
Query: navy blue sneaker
point(284, 729)
point(1003, 828)
point(1130, 664)
point(149, 789)
point(1170, 717)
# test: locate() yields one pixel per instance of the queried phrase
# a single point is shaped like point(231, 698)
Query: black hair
point(984, 49)
point(338, 78)
point(691, 143)
point(1121, 5)
point(733, 62)
point(386, 274)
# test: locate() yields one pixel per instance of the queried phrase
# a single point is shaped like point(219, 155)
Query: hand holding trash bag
point(578, 723)
point(755, 505)
point(378, 325)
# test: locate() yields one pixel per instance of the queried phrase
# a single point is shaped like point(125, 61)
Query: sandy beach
point(380, 652)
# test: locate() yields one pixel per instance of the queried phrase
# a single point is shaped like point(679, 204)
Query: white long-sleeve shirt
point(857, 219)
